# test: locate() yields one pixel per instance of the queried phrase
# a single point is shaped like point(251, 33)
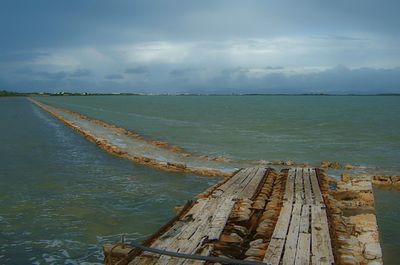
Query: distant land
point(5, 93)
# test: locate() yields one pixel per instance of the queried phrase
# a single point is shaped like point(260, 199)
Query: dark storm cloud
point(182, 72)
point(81, 73)
point(114, 76)
point(200, 45)
point(26, 56)
point(137, 70)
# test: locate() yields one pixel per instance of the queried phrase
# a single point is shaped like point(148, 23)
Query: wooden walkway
point(301, 234)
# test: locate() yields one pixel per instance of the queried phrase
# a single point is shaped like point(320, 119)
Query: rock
point(395, 180)
point(335, 165)
point(218, 159)
point(372, 251)
point(278, 163)
point(367, 198)
point(289, 163)
point(345, 195)
point(368, 237)
point(325, 164)
point(255, 252)
point(264, 162)
point(375, 262)
point(329, 164)
point(346, 177)
point(178, 209)
point(256, 242)
point(348, 260)
point(232, 238)
point(381, 180)
point(240, 230)
point(364, 222)
point(349, 167)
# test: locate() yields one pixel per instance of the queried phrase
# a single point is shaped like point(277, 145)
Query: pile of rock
point(355, 231)
point(386, 181)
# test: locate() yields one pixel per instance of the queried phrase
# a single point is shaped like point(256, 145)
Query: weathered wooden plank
point(238, 177)
point(254, 182)
point(299, 194)
point(307, 186)
point(321, 249)
point(296, 239)
point(209, 220)
point(283, 222)
point(274, 251)
point(327, 238)
point(289, 187)
point(305, 219)
point(220, 218)
point(315, 186)
point(292, 236)
point(303, 249)
point(239, 181)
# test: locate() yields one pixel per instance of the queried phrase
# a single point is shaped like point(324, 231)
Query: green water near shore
point(350, 129)
point(61, 197)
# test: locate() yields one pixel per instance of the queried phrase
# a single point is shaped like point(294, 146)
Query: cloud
point(114, 76)
point(182, 71)
point(274, 67)
point(192, 46)
point(137, 70)
point(81, 73)
point(21, 56)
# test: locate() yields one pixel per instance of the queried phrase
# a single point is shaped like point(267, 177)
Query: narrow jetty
point(132, 146)
point(260, 216)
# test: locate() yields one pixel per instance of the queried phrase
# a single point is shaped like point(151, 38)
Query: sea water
point(63, 197)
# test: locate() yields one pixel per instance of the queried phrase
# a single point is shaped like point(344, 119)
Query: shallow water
point(388, 216)
point(350, 129)
point(62, 198)
point(361, 130)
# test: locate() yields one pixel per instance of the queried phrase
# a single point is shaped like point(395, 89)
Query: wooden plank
point(182, 226)
point(299, 194)
point(305, 219)
point(220, 218)
point(327, 238)
point(303, 249)
point(211, 217)
point(307, 186)
point(232, 181)
point(254, 182)
point(274, 251)
point(315, 187)
point(319, 246)
point(283, 222)
point(289, 187)
point(292, 236)
point(238, 182)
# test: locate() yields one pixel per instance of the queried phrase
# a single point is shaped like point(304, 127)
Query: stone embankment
point(198, 165)
point(354, 228)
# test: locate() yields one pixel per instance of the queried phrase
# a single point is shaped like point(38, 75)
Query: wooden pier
point(257, 215)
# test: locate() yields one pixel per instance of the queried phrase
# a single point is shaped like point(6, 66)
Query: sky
point(208, 46)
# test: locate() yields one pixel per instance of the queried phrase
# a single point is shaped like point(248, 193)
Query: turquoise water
point(351, 129)
point(62, 198)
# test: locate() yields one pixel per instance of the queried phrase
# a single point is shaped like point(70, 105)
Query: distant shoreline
point(5, 93)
